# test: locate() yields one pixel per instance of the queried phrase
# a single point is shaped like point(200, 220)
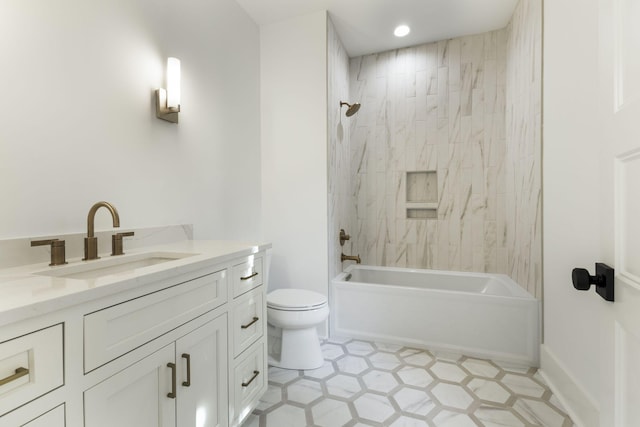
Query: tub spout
point(355, 258)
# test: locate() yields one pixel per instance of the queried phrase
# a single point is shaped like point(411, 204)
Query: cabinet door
point(202, 395)
point(53, 418)
point(135, 396)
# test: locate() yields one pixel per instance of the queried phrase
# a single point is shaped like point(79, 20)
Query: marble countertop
point(25, 292)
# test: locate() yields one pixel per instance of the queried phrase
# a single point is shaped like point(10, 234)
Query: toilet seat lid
point(295, 299)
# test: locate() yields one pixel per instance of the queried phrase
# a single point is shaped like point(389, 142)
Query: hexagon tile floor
point(370, 384)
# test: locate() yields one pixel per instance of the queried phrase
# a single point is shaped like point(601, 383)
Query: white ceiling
point(366, 26)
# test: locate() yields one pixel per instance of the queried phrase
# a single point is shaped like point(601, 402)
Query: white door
point(135, 396)
point(619, 195)
point(202, 376)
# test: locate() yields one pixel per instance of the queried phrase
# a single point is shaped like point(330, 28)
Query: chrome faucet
point(91, 242)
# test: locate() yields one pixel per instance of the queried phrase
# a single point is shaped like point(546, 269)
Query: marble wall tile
point(522, 190)
point(468, 109)
point(435, 115)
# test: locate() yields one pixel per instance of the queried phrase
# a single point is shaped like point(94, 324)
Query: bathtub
point(480, 315)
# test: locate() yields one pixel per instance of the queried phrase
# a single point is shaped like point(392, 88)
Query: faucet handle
point(57, 250)
point(116, 242)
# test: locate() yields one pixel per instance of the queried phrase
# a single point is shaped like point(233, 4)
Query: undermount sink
point(112, 265)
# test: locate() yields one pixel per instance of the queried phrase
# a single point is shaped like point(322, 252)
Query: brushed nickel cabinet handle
point(255, 374)
point(255, 319)
point(187, 383)
point(20, 372)
point(249, 277)
point(172, 366)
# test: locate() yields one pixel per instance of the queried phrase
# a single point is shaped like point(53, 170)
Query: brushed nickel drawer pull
point(255, 374)
point(20, 372)
point(172, 395)
point(187, 383)
point(249, 277)
point(255, 319)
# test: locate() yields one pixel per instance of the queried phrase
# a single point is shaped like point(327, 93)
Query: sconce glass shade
point(168, 101)
point(173, 83)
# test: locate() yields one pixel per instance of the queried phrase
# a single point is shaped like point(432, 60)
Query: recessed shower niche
point(422, 195)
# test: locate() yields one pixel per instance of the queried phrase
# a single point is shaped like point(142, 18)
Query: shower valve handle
point(343, 237)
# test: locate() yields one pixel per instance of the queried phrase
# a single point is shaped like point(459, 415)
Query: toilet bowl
point(292, 318)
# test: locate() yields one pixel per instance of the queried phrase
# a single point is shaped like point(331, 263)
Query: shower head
point(353, 108)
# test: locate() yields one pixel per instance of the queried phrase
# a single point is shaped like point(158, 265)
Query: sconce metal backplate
point(162, 111)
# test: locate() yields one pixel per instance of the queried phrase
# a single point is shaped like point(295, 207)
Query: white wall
point(339, 151)
point(293, 87)
point(79, 125)
point(523, 170)
point(570, 163)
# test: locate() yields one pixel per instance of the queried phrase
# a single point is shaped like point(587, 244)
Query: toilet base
point(299, 349)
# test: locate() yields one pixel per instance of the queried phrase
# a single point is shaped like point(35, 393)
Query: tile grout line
point(367, 388)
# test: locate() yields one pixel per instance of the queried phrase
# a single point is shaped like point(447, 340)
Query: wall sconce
point(168, 100)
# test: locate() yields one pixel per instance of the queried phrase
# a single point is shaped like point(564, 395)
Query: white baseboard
point(580, 406)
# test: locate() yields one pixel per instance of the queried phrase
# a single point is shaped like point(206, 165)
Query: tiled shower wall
point(523, 167)
point(469, 110)
point(435, 107)
point(338, 147)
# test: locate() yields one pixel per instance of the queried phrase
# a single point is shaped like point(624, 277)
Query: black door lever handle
point(603, 280)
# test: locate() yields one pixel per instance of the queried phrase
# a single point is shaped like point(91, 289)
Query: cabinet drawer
point(116, 330)
point(30, 366)
point(247, 275)
point(250, 380)
point(248, 320)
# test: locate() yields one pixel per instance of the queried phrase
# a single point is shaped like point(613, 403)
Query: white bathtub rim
point(392, 289)
point(523, 294)
point(419, 270)
point(350, 268)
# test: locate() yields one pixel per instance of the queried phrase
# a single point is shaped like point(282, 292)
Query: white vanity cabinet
point(183, 384)
point(182, 348)
point(247, 343)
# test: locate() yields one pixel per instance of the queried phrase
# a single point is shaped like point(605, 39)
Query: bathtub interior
point(487, 284)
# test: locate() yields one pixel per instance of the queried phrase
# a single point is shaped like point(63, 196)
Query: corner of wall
point(293, 78)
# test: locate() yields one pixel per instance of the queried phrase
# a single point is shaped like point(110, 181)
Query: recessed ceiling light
point(401, 30)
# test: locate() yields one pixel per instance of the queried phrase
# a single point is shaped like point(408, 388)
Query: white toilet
point(292, 317)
